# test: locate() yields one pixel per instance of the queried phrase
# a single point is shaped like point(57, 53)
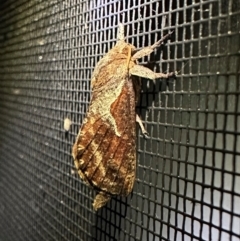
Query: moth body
point(105, 149)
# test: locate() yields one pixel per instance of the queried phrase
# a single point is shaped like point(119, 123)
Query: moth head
point(123, 48)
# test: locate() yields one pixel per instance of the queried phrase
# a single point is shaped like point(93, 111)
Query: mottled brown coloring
point(105, 149)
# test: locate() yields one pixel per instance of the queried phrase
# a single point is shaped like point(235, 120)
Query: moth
point(105, 149)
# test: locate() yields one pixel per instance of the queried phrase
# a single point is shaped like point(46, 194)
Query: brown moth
point(105, 149)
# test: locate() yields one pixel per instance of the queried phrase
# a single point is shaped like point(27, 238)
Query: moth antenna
point(120, 34)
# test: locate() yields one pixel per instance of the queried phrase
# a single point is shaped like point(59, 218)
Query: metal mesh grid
point(188, 171)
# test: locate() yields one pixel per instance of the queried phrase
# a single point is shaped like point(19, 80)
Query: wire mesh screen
point(188, 172)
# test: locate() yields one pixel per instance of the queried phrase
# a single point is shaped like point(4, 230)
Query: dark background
point(188, 174)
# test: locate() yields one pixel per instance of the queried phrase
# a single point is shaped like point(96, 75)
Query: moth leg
point(100, 200)
point(128, 57)
point(144, 72)
point(139, 121)
point(148, 50)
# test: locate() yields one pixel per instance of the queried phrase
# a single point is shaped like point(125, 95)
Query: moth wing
point(105, 149)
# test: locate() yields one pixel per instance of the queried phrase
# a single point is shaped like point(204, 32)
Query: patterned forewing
point(105, 150)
